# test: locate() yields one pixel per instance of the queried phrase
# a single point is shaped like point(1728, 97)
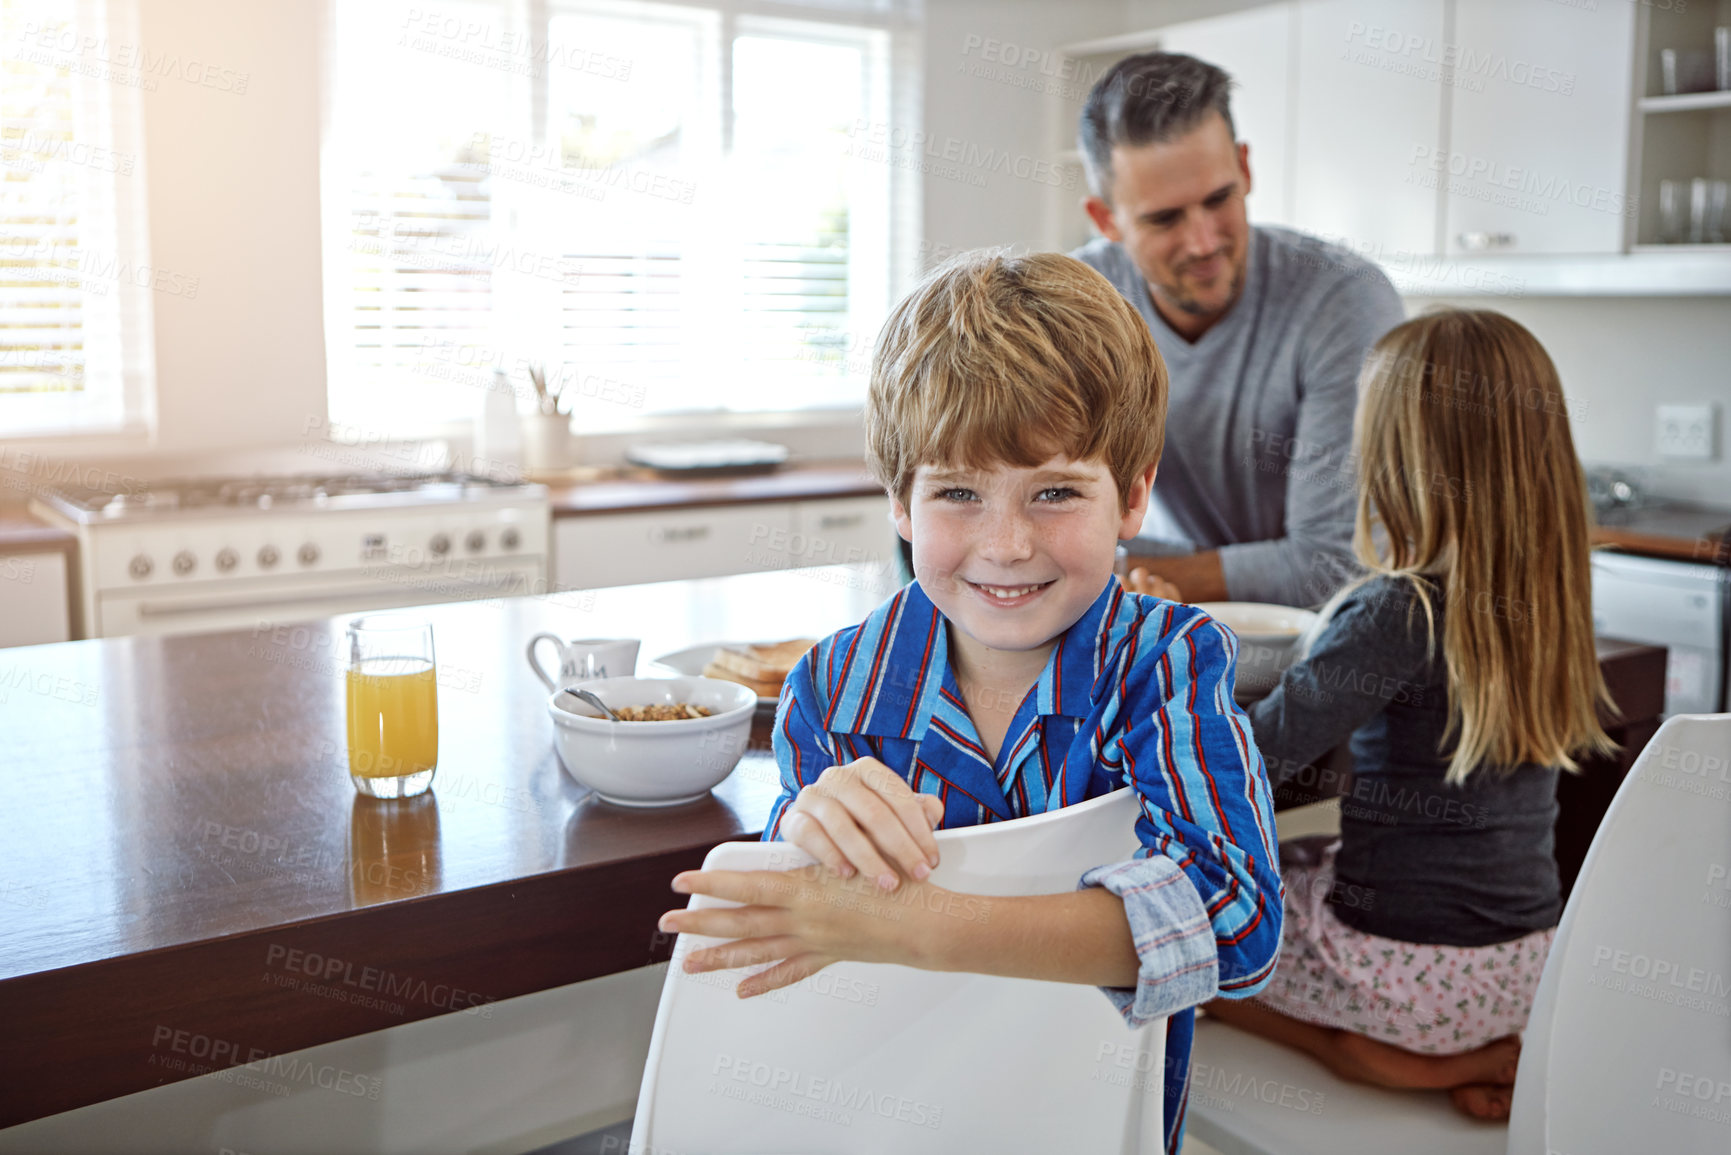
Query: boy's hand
point(863, 816)
point(801, 920)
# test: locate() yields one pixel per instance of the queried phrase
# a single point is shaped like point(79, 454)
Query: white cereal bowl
point(652, 763)
point(1268, 637)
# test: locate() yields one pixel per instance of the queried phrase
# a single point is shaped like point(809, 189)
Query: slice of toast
point(762, 663)
point(763, 689)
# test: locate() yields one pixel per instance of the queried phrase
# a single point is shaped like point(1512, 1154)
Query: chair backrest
point(870, 1057)
point(1629, 1044)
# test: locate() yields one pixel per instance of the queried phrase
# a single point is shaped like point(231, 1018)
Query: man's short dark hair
point(1149, 98)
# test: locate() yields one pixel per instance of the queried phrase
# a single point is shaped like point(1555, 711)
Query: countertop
point(629, 490)
point(1670, 530)
point(179, 839)
point(23, 532)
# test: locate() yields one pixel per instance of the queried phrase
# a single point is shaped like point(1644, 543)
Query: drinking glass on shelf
point(1673, 216)
point(393, 705)
point(1710, 202)
point(1706, 211)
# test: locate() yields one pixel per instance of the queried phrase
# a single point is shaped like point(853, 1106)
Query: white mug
point(613, 658)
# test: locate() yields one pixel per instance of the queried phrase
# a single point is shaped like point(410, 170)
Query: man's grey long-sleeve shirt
point(1258, 461)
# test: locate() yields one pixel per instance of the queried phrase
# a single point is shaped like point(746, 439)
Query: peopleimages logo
point(790, 1090)
point(1461, 61)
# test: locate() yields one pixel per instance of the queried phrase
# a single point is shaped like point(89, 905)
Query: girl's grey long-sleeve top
point(1467, 865)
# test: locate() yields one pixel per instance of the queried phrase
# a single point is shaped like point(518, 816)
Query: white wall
point(234, 200)
point(975, 99)
point(1618, 358)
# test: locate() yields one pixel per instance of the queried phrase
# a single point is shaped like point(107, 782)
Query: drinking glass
point(1672, 213)
point(393, 705)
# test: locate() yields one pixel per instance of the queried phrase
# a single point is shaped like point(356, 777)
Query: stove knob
point(139, 567)
point(267, 556)
point(184, 563)
point(308, 553)
point(440, 545)
point(226, 559)
point(510, 539)
point(476, 541)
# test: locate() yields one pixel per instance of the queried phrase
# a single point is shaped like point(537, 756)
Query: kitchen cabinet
point(1470, 146)
point(844, 532)
point(1538, 136)
point(34, 606)
point(1370, 117)
point(596, 550)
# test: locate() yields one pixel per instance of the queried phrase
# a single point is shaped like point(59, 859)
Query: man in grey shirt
point(1263, 331)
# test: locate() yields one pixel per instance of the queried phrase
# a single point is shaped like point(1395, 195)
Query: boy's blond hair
point(999, 359)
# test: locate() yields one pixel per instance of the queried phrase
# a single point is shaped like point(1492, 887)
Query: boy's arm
point(802, 749)
point(849, 813)
point(804, 920)
point(1203, 897)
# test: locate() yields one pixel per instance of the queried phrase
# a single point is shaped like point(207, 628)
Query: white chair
point(872, 1058)
point(1629, 1044)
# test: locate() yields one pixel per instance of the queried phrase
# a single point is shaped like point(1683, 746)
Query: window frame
point(112, 115)
point(899, 21)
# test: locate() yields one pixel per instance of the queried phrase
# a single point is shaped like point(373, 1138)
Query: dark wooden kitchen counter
point(181, 849)
point(1672, 530)
point(185, 867)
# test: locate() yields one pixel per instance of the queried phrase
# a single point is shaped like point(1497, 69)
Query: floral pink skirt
point(1435, 1000)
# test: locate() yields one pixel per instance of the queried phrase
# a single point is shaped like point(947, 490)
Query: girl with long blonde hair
point(1461, 667)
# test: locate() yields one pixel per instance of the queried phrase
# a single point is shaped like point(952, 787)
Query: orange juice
point(393, 717)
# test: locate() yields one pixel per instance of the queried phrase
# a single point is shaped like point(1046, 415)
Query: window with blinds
point(75, 276)
point(656, 202)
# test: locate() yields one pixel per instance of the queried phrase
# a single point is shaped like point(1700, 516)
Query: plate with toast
point(763, 666)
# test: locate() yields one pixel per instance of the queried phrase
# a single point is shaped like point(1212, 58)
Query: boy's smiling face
point(1015, 555)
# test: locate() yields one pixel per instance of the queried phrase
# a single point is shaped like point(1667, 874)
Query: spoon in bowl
point(590, 697)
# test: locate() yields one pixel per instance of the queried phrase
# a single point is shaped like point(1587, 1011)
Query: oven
point(184, 557)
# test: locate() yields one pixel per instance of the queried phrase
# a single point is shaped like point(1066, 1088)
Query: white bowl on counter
point(652, 763)
point(1268, 640)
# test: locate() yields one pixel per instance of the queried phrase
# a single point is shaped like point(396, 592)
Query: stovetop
point(217, 496)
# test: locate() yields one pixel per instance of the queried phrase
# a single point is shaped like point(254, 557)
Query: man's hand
point(1140, 581)
point(862, 817)
point(801, 920)
point(1198, 575)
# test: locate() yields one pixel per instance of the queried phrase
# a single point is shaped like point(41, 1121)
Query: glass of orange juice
point(393, 705)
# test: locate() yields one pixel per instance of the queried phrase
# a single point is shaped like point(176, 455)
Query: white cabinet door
point(708, 541)
point(1370, 117)
point(1539, 127)
point(33, 601)
point(842, 531)
point(1255, 48)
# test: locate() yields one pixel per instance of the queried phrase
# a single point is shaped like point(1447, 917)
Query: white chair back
point(865, 1058)
point(1629, 1045)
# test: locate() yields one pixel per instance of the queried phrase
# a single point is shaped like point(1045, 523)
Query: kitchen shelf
point(1685, 102)
point(1720, 250)
point(1648, 271)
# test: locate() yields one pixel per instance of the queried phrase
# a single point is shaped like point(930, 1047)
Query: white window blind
point(76, 280)
point(655, 201)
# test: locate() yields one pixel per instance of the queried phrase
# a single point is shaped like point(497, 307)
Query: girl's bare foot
point(1370, 1061)
point(1484, 1100)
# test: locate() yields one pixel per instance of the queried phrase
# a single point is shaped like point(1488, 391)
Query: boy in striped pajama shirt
point(1016, 419)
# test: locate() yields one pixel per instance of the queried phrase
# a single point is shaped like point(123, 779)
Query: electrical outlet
point(1687, 432)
